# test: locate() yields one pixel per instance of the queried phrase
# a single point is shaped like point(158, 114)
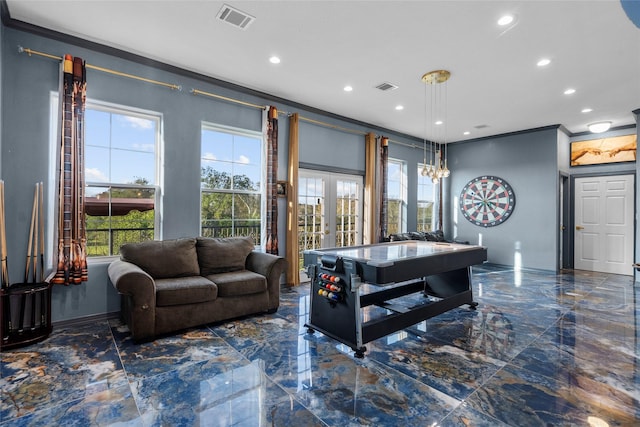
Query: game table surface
point(381, 254)
point(396, 261)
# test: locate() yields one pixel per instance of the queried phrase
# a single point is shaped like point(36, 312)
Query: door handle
point(579, 227)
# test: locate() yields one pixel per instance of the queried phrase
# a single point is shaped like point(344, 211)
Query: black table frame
point(445, 275)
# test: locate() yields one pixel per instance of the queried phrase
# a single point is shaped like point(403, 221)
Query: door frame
point(571, 230)
point(565, 244)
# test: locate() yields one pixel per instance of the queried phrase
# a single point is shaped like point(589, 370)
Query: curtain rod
point(405, 144)
point(200, 92)
point(317, 122)
point(225, 98)
point(104, 70)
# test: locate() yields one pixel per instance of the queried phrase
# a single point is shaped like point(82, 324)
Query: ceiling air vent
point(387, 86)
point(235, 17)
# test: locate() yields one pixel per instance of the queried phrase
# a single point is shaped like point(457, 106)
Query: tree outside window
point(231, 183)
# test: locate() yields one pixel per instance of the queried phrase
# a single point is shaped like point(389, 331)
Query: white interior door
point(329, 210)
point(604, 224)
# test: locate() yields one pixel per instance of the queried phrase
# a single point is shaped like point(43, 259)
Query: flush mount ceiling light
point(586, 110)
point(436, 99)
point(543, 62)
point(569, 91)
point(274, 60)
point(599, 127)
point(348, 88)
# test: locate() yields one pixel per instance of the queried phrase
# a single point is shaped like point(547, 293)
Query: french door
point(604, 217)
point(329, 210)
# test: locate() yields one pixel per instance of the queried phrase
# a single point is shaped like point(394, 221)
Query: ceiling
point(495, 85)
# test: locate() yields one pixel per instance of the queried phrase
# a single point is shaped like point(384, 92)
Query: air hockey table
point(345, 281)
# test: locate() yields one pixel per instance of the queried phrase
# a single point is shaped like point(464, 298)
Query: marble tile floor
point(541, 350)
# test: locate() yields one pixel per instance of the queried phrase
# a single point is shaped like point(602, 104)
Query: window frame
point(419, 183)
point(247, 133)
point(111, 108)
point(402, 205)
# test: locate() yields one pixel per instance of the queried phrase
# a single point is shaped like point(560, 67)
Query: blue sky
point(119, 148)
point(233, 154)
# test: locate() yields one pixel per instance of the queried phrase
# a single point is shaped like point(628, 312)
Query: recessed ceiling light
point(586, 110)
point(569, 91)
point(466, 132)
point(439, 122)
point(348, 88)
point(399, 107)
point(543, 62)
point(505, 20)
point(274, 60)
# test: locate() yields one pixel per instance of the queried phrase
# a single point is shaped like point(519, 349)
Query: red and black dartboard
point(487, 201)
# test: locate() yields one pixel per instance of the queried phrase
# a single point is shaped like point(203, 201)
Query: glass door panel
point(329, 211)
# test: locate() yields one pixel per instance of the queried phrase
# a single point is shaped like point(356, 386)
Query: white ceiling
point(324, 45)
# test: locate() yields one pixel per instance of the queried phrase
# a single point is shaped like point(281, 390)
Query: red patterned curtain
point(72, 259)
point(384, 160)
point(271, 131)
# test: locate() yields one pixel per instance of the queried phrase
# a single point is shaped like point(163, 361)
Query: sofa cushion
point(434, 236)
point(223, 254)
point(237, 283)
point(163, 258)
point(185, 290)
point(399, 237)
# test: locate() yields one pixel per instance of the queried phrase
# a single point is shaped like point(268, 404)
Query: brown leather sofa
point(171, 285)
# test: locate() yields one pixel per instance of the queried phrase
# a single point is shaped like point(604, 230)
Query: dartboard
point(487, 201)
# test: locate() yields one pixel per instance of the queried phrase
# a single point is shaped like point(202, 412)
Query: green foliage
point(105, 234)
point(213, 179)
point(394, 216)
point(226, 213)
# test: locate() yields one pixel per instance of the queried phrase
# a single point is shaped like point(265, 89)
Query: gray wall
point(25, 148)
point(528, 162)
point(26, 86)
point(583, 171)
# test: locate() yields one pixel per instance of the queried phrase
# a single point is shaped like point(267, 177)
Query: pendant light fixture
point(437, 120)
point(425, 170)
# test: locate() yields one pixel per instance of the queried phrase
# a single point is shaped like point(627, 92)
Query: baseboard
point(80, 321)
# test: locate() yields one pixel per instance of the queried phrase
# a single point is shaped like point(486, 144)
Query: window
point(121, 175)
point(396, 197)
point(231, 182)
point(426, 198)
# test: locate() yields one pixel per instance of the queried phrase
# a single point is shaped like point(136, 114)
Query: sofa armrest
point(140, 288)
point(271, 267)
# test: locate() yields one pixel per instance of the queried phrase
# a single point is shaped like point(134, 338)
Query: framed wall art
point(613, 149)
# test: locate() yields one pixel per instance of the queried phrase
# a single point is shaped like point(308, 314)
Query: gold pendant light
point(437, 100)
